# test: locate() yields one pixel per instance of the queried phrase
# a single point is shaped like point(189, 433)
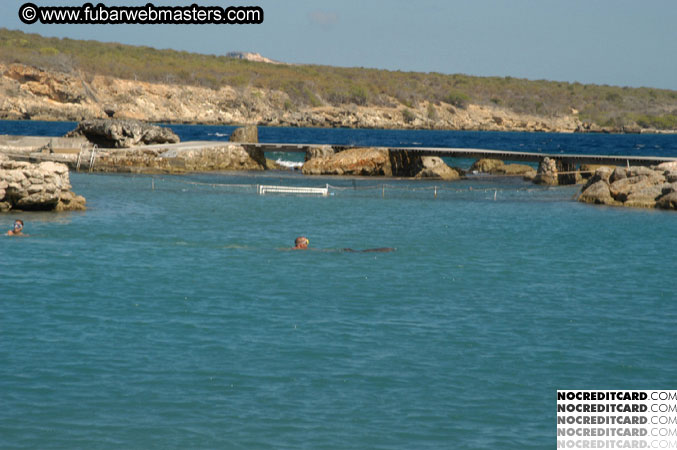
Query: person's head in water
point(18, 227)
point(301, 243)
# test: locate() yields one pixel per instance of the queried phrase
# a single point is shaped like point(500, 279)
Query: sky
point(615, 42)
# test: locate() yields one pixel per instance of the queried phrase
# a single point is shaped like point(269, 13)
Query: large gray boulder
point(116, 133)
point(598, 193)
point(37, 187)
point(248, 134)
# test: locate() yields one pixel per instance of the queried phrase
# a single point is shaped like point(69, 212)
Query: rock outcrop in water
point(435, 167)
point(639, 187)
point(356, 161)
point(112, 133)
point(547, 172)
point(376, 162)
point(36, 187)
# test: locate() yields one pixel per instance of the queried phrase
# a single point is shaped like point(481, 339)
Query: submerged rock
point(115, 133)
point(37, 187)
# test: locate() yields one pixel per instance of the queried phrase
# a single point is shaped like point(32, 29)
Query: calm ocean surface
point(174, 318)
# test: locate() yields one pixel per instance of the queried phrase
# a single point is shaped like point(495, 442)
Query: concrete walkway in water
point(478, 153)
point(65, 149)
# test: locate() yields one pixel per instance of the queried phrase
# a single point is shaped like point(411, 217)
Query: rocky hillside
point(30, 93)
point(65, 79)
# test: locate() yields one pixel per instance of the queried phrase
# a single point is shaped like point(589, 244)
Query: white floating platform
point(266, 189)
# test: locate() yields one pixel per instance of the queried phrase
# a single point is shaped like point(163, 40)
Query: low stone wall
point(177, 158)
point(36, 187)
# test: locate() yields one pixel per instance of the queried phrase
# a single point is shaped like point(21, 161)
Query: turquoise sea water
point(173, 317)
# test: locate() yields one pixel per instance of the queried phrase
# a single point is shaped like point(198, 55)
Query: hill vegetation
point(314, 85)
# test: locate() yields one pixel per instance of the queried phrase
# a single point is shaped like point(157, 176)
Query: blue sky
point(616, 42)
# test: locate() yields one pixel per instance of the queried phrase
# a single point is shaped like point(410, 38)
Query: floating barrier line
point(433, 188)
point(436, 189)
point(354, 188)
point(197, 183)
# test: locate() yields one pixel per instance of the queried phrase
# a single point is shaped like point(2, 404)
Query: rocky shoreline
point(29, 93)
point(637, 187)
point(46, 185)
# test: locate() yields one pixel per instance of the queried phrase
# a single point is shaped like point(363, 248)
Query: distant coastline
point(69, 80)
point(35, 94)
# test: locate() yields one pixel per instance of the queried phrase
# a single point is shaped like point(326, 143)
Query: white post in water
point(435, 191)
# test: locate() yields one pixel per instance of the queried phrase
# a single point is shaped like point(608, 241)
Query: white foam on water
point(289, 164)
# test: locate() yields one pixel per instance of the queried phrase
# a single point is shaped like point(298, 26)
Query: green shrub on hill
point(458, 99)
point(665, 122)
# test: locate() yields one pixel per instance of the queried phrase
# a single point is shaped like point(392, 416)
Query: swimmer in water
point(18, 227)
point(301, 243)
